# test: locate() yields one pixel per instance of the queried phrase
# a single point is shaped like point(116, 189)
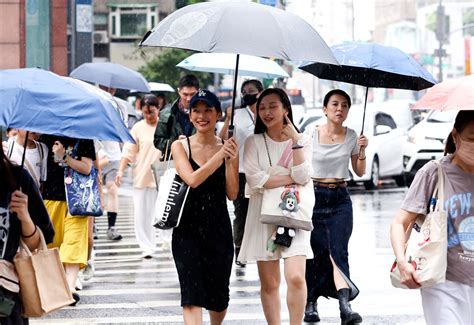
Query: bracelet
point(29, 236)
point(296, 146)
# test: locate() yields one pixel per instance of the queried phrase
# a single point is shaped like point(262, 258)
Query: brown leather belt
point(329, 185)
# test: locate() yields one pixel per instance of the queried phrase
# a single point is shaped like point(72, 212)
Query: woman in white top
point(36, 158)
point(142, 153)
point(274, 131)
point(333, 147)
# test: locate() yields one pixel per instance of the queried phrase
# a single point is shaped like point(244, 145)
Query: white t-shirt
point(36, 159)
point(110, 149)
point(244, 127)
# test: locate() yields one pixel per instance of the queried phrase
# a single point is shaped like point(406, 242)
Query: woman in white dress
point(275, 131)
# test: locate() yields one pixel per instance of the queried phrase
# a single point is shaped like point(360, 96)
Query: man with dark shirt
point(174, 118)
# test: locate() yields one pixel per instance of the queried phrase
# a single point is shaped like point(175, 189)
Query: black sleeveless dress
point(202, 244)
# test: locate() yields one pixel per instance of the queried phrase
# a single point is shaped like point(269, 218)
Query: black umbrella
point(372, 65)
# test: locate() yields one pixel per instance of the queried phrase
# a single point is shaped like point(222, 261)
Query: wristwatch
point(298, 144)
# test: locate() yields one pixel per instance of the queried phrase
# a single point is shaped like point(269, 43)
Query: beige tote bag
point(427, 243)
point(43, 285)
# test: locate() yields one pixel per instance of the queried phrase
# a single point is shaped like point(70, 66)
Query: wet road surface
point(128, 289)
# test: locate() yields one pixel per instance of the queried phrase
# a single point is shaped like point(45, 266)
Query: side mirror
point(382, 129)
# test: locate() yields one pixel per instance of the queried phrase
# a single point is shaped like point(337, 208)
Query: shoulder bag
point(287, 206)
point(172, 194)
point(427, 245)
point(82, 191)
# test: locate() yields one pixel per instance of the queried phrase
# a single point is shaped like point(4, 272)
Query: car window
point(442, 116)
point(385, 119)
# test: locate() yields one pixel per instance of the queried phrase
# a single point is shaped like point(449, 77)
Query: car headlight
point(415, 138)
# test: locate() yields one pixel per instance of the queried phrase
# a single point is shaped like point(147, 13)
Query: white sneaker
point(78, 285)
point(88, 272)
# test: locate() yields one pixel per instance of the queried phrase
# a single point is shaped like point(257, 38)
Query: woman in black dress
point(202, 243)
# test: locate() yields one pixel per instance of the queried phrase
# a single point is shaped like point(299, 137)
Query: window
point(385, 119)
point(132, 21)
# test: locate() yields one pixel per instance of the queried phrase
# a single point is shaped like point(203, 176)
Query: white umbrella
point(249, 65)
point(240, 28)
point(160, 87)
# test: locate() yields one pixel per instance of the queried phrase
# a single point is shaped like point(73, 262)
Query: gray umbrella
point(111, 75)
point(240, 28)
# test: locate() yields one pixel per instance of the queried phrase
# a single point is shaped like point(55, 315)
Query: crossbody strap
point(268, 152)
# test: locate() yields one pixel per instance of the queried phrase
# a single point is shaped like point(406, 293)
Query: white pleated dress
point(256, 166)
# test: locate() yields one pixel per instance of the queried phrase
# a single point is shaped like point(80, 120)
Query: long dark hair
point(7, 174)
point(462, 121)
point(259, 126)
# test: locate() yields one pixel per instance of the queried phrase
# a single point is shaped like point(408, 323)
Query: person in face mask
point(244, 121)
point(457, 293)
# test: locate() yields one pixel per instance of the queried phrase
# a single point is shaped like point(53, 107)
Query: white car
point(426, 141)
point(384, 153)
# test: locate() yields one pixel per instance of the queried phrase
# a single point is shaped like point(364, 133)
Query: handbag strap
point(42, 245)
point(266, 146)
point(437, 198)
point(286, 156)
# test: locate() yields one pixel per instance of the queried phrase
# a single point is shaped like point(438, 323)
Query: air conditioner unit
point(100, 37)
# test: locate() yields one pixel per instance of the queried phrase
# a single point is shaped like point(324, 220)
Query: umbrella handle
point(20, 175)
point(362, 150)
point(236, 73)
point(230, 131)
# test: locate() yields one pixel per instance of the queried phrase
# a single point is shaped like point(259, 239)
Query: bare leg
point(296, 295)
point(71, 271)
point(192, 315)
point(112, 196)
point(339, 281)
point(269, 273)
point(217, 317)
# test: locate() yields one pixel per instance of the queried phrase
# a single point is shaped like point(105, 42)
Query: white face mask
point(465, 151)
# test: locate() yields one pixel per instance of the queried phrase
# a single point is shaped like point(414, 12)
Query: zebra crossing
point(128, 289)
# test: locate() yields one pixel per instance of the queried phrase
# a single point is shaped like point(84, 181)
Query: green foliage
point(162, 68)
point(431, 21)
point(468, 19)
point(184, 3)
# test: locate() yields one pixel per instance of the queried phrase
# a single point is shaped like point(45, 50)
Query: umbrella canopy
point(450, 94)
point(249, 65)
point(373, 65)
point(41, 101)
point(240, 27)
point(111, 75)
point(160, 87)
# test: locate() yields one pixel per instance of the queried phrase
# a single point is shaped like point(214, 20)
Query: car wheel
point(373, 183)
point(400, 180)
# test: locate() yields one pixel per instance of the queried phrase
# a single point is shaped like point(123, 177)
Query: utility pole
point(440, 35)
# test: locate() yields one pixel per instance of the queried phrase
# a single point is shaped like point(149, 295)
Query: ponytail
point(450, 147)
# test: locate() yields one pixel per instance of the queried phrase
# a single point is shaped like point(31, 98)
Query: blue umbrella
point(372, 65)
point(111, 75)
point(41, 101)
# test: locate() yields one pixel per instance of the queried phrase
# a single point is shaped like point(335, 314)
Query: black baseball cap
point(208, 97)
